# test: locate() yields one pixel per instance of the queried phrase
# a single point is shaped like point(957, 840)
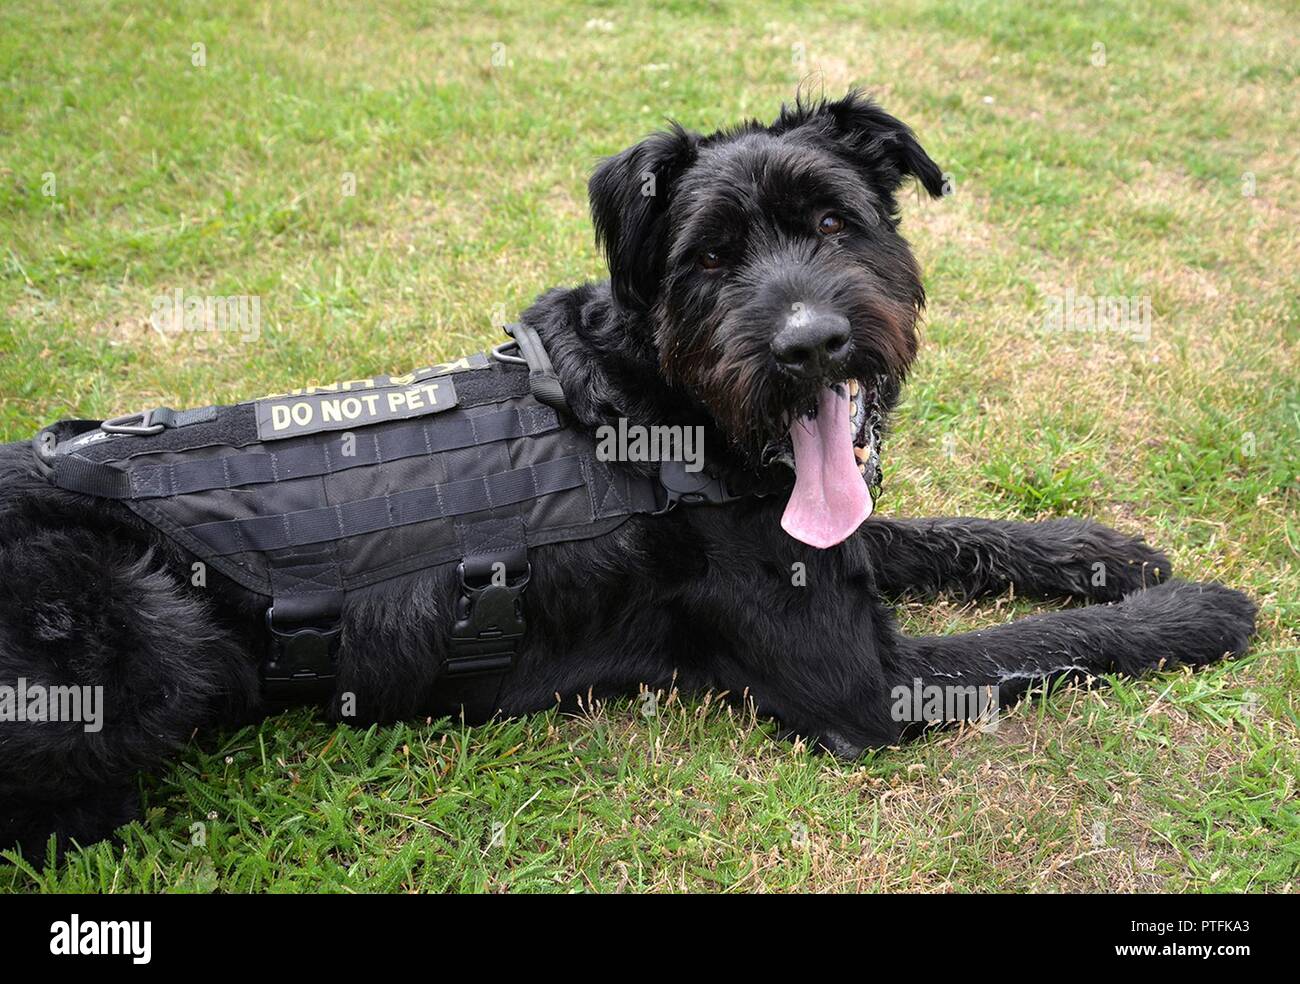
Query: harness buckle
point(489, 626)
point(705, 487)
point(122, 425)
point(691, 488)
point(301, 660)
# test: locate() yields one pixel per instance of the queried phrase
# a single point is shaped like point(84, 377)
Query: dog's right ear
point(629, 195)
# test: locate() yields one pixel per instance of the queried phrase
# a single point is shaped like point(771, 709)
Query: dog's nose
point(810, 346)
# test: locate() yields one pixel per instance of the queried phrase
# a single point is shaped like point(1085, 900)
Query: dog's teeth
point(862, 469)
point(853, 387)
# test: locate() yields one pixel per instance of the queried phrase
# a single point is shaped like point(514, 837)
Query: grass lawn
point(391, 184)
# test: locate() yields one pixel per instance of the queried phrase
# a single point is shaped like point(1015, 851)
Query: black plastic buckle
point(691, 488)
point(489, 626)
point(301, 663)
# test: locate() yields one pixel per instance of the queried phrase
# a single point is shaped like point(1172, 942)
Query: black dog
point(759, 289)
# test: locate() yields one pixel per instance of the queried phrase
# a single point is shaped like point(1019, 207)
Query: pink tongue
point(830, 500)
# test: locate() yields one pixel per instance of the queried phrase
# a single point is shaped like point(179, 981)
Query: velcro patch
point(293, 416)
point(466, 363)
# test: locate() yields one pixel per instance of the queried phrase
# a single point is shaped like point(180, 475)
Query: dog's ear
point(629, 195)
point(878, 141)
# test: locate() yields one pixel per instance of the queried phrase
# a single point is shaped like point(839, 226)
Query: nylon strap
point(99, 478)
point(489, 621)
point(305, 460)
point(182, 418)
point(325, 523)
point(304, 626)
point(313, 458)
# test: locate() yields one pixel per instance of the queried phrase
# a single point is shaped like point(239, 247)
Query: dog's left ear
point(629, 195)
point(878, 141)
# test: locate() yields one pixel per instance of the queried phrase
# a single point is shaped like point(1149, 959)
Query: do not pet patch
point(296, 415)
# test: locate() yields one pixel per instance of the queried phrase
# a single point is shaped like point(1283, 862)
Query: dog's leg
point(144, 664)
point(971, 557)
point(843, 685)
point(1175, 622)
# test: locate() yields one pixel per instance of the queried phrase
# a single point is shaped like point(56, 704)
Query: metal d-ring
point(498, 353)
point(120, 425)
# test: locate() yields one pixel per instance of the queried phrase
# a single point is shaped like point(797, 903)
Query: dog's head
point(766, 264)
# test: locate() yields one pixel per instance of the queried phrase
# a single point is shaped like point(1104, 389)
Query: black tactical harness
point(304, 496)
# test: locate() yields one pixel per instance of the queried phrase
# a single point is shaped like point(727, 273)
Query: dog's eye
point(830, 224)
point(709, 260)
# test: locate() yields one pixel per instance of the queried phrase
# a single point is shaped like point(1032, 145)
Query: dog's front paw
point(1105, 565)
point(1194, 623)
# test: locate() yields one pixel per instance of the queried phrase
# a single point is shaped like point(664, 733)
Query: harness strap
point(326, 523)
point(542, 379)
point(304, 626)
point(147, 422)
point(489, 621)
point(681, 487)
point(77, 474)
point(407, 440)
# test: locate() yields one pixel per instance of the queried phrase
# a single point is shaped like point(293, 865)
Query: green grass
point(1124, 179)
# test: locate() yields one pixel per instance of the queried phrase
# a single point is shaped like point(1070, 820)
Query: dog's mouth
point(834, 448)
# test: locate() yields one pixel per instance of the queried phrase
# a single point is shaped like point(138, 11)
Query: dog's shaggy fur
point(711, 241)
